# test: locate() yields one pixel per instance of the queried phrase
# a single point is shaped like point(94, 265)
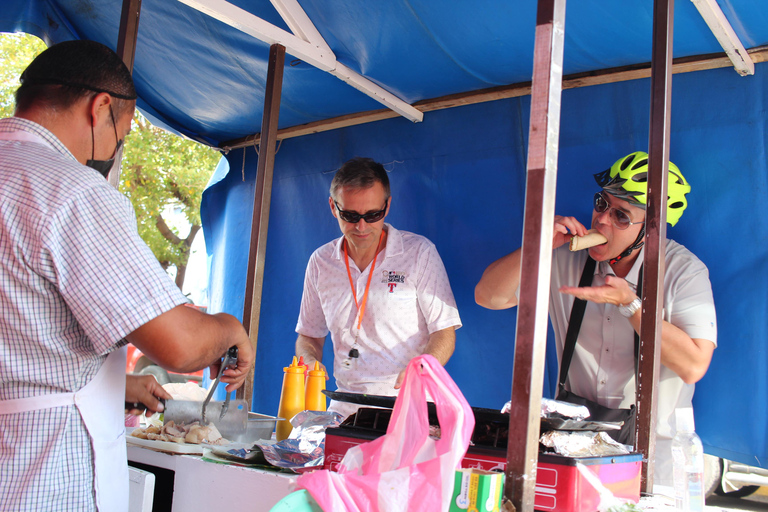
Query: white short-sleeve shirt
point(75, 279)
point(602, 368)
point(409, 298)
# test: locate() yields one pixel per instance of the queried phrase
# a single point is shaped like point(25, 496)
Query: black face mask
point(104, 166)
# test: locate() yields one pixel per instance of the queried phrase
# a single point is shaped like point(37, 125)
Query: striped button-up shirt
point(75, 279)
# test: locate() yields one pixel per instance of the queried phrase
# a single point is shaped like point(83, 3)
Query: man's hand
point(498, 286)
point(144, 389)
point(615, 291)
point(566, 228)
point(399, 381)
point(235, 377)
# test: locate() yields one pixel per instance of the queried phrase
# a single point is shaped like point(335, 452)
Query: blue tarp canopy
point(458, 177)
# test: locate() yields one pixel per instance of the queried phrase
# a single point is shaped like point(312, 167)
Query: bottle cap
point(294, 367)
point(684, 419)
point(317, 372)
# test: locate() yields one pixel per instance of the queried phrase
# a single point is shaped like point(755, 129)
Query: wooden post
point(128, 32)
point(126, 50)
point(261, 203)
point(655, 236)
point(531, 338)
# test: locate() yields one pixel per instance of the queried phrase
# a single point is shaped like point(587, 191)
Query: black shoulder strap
point(574, 324)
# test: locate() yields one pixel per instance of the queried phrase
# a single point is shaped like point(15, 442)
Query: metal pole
point(656, 235)
point(261, 204)
point(531, 338)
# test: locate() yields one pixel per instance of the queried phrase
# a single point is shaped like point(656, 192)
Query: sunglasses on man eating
point(619, 218)
point(354, 217)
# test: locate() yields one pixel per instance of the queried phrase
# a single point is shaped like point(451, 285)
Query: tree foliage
point(164, 175)
point(162, 172)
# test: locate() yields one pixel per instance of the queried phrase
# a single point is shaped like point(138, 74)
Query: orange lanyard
point(361, 305)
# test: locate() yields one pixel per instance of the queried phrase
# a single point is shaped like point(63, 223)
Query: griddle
point(482, 415)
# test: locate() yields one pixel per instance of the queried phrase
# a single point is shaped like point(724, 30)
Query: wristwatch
point(630, 309)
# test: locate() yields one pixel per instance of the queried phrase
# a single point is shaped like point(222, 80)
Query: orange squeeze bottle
point(315, 399)
point(291, 398)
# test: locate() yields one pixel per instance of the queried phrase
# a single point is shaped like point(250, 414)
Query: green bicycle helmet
point(627, 179)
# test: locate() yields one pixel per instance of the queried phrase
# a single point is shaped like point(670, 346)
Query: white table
point(201, 485)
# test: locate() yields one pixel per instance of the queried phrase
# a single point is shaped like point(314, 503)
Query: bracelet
point(630, 309)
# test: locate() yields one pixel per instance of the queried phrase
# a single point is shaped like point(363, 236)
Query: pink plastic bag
point(404, 469)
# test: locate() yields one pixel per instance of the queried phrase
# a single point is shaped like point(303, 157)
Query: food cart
point(441, 94)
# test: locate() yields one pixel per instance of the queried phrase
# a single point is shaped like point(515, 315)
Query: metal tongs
point(230, 360)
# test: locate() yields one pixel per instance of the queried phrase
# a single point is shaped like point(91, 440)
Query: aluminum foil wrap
point(551, 407)
point(305, 447)
point(582, 444)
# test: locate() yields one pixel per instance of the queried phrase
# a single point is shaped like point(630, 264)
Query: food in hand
point(591, 239)
point(194, 433)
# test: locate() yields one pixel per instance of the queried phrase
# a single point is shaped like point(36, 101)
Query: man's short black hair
point(359, 173)
point(66, 72)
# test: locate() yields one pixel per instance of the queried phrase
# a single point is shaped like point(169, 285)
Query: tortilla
point(591, 239)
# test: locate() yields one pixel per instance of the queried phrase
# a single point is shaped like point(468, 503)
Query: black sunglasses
point(354, 217)
point(619, 219)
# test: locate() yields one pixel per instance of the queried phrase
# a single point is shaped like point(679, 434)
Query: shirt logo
point(392, 278)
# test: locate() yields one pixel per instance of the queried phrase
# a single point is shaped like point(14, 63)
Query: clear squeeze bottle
point(315, 399)
point(688, 457)
point(291, 398)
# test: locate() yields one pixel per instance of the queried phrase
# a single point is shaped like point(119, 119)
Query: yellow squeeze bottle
point(291, 398)
point(315, 399)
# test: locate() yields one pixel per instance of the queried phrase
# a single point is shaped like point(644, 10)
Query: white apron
point(101, 404)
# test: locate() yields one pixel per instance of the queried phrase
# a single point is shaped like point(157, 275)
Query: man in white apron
point(76, 284)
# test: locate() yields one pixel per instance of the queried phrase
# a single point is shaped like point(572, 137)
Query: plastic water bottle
point(688, 457)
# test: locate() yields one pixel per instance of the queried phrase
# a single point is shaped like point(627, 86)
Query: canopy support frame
point(261, 205)
point(535, 271)
point(312, 52)
point(723, 32)
point(655, 237)
point(605, 76)
point(126, 49)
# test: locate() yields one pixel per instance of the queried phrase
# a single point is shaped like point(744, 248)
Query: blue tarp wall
point(459, 179)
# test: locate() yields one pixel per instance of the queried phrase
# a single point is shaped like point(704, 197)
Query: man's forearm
point(497, 288)
point(688, 358)
point(185, 340)
point(311, 349)
point(441, 344)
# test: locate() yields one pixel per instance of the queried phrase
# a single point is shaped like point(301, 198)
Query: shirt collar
point(604, 268)
point(15, 124)
point(394, 244)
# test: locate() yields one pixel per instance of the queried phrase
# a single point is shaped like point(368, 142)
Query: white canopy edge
point(722, 30)
point(308, 45)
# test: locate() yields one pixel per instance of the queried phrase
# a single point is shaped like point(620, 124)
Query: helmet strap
point(638, 243)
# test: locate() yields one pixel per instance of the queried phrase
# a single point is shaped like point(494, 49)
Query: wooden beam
point(126, 50)
point(531, 338)
point(655, 237)
point(606, 76)
point(261, 203)
point(306, 44)
point(128, 32)
point(723, 32)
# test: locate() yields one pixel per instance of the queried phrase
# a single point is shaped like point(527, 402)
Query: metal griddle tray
point(554, 422)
